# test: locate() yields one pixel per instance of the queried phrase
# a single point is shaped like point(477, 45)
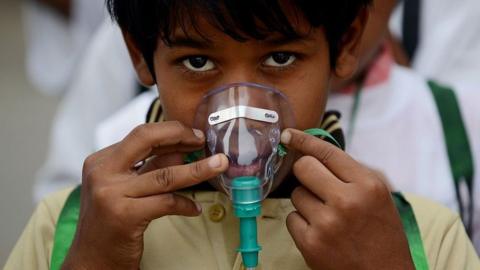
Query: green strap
point(354, 112)
point(412, 231)
point(67, 224)
point(65, 229)
point(458, 146)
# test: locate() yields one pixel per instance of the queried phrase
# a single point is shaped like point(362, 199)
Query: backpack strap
point(412, 231)
point(68, 219)
point(65, 229)
point(458, 148)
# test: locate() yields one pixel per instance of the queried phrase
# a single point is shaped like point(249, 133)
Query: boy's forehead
point(204, 33)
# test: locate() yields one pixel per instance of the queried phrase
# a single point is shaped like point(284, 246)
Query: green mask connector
point(247, 197)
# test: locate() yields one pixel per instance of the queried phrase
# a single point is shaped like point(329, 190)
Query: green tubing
point(247, 196)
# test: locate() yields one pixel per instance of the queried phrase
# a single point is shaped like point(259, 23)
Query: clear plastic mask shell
point(244, 121)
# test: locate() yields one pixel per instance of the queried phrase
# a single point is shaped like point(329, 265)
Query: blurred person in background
point(441, 38)
point(57, 32)
point(401, 124)
point(104, 82)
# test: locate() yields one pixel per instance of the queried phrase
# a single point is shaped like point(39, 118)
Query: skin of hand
point(344, 211)
point(118, 201)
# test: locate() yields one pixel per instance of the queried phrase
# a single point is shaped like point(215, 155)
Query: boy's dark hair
point(146, 21)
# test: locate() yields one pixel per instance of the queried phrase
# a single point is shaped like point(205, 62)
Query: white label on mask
point(243, 112)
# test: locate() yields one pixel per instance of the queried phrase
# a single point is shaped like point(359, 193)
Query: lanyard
point(354, 112)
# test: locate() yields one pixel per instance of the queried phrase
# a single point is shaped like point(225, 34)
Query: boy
point(340, 217)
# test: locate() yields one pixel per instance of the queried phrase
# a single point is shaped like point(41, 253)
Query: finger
point(334, 159)
point(157, 206)
point(297, 227)
point(307, 204)
point(170, 158)
point(317, 178)
point(164, 161)
point(141, 142)
point(177, 177)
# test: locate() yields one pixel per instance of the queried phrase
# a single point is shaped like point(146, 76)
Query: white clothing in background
point(124, 120)
point(449, 48)
point(54, 45)
point(398, 131)
point(105, 82)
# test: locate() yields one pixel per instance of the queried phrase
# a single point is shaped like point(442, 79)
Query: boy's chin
point(280, 177)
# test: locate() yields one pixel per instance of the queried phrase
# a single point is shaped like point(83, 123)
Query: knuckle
point(141, 131)
point(301, 141)
point(329, 222)
point(169, 201)
point(312, 240)
point(290, 220)
point(177, 125)
point(89, 164)
point(296, 194)
point(304, 163)
point(101, 195)
point(119, 211)
point(346, 205)
point(196, 170)
point(164, 178)
point(295, 198)
point(374, 186)
point(325, 153)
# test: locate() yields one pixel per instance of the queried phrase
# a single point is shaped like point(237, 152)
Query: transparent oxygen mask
point(244, 121)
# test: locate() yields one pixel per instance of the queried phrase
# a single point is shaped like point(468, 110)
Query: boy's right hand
point(118, 201)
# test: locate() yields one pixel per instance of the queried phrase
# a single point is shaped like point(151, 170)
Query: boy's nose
point(242, 73)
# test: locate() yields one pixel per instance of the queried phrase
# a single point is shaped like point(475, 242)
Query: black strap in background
point(411, 26)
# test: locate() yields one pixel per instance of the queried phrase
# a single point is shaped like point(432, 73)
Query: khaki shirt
point(210, 240)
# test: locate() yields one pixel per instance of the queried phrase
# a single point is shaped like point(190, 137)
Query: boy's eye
point(280, 59)
point(198, 63)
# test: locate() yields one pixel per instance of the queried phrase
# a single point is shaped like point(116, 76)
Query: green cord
point(317, 132)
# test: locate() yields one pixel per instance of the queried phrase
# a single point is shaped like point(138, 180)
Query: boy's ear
point(143, 72)
point(348, 58)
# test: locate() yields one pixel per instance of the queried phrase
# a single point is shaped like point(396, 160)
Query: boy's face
point(300, 68)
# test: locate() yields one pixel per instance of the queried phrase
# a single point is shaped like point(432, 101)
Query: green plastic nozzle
point(247, 197)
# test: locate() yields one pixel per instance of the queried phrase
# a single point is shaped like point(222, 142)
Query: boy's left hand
point(345, 218)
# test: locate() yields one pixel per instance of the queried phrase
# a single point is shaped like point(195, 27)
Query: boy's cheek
point(308, 109)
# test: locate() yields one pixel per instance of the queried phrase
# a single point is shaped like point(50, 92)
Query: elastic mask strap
point(317, 132)
point(282, 150)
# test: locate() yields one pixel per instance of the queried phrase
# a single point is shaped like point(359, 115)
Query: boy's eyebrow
point(190, 43)
point(199, 43)
point(284, 40)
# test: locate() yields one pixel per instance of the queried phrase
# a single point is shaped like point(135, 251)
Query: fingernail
point(198, 133)
point(199, 207)
point(215, 162)
point(286, 137)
